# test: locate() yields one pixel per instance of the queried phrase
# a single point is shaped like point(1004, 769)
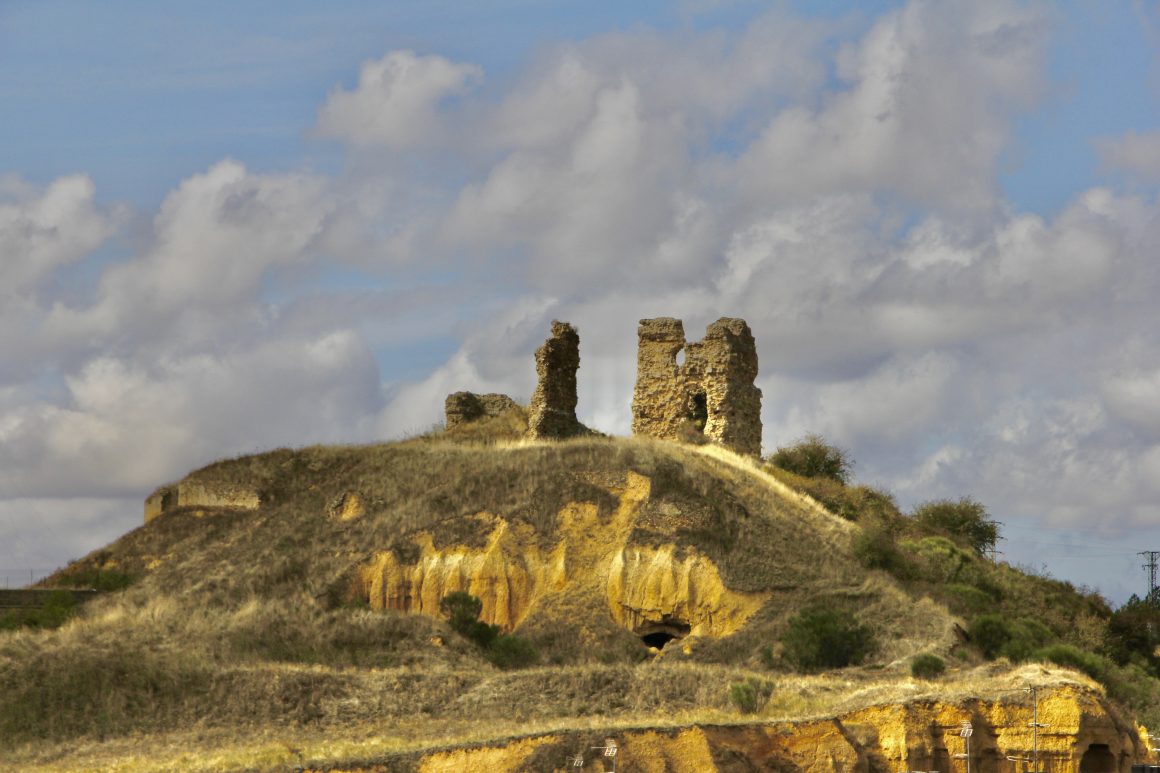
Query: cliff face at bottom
point(1079, 735)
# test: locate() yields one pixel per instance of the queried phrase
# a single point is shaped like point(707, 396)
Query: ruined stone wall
point(196, 494)
point(552, 412)
point(463, 407)
point(712, 391)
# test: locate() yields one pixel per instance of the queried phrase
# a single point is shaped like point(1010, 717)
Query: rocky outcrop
point(652, 591)
point(552, 411)
point(648, 590)
point(464, 407)
point(347, 506)
point(711, 393)
point(508, 576)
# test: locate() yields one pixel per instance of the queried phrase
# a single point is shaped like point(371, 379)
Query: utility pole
point(1151, 565)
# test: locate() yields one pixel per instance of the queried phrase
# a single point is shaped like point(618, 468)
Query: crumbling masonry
point(463, 407)
point(552, 413)
point(711, 393)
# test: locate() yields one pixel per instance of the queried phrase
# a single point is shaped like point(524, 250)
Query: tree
point(966, 519)
point(813, 457)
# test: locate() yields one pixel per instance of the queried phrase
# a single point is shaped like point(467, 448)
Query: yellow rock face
point(1081, 736)
point(506, 576)
point(646, 589)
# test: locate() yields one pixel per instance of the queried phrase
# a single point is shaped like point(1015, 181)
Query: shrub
point(1134, 632)
point(990, 633)
point(507, 651)
point(812, 457)
point(967, 599)
point(1073, 657)
point(749, 696)
point(927, 666)
point(502, 650)
point(874, 548)
point(822, 637)
point(966, 519)
point(53, 613)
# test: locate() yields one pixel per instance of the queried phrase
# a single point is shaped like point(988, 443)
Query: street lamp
point(966, 730)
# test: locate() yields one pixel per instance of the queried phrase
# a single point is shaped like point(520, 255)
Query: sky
point(227, 227)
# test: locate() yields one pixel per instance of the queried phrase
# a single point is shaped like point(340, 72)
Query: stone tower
point(552, 413)
point(711, 392)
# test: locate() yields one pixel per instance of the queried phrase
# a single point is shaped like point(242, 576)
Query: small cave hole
point(659, 634)
point(680, 357)
point(658, 639)
point(700, 415)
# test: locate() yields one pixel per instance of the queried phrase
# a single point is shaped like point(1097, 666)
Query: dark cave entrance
point(1098, 759)
point(659, 634)
point(700, 414)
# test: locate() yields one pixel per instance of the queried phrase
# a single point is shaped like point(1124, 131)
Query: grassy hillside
point(237, 625)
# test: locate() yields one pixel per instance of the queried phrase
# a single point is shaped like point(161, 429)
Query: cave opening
point(657, 635)
point(657, 639)
point(1098, 759)
point(700, 414)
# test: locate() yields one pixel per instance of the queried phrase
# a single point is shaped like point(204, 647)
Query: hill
point(290, 608)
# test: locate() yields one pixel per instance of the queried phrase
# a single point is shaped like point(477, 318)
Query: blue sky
point(229, 226)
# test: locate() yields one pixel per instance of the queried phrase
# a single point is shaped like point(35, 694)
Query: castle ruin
point(552, 412)
point(711, 392)
point(682, 389)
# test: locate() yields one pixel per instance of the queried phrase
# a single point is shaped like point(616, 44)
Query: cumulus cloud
point(215, 238)
point(44, 230)
point(396, 102)
point(127, 426)
point(931, 89)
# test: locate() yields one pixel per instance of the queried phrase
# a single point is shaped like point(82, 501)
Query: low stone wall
point(197, 494)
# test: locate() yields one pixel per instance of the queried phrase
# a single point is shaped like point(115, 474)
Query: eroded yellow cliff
point(647, 589)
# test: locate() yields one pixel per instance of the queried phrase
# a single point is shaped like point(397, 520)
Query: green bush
point(1089, 663)
point(53, 613)
point(927, 666)
point(821, 637)
point(104, 580)
point(502, 650)
point(1027, 636)
point(966, 519)
point(967, 599)
point(994, 635)
point(875, 548)
point(507, 651)
point(990, 633)
point(751, 695)
point(812, 457)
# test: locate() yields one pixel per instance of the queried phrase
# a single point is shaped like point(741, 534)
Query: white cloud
point(1136, 153)
point(397, 100)
point(128, 426)
point(44, 230)
point(926, 115)
point(217, 236)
